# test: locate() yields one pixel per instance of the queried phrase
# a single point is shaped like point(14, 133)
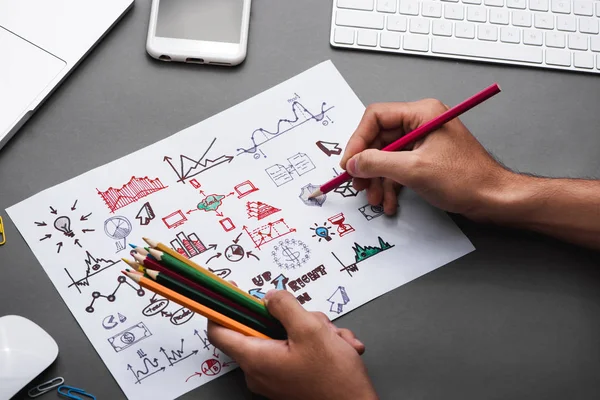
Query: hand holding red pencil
point(449, 168)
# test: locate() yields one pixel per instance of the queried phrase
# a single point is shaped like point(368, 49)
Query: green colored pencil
point(205, 280)
point(212, 303)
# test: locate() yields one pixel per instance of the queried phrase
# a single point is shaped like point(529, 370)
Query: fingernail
point(358, 343)
point(351, 166)
point(268, 295)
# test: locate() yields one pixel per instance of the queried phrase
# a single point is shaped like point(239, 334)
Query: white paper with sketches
point(230, 193)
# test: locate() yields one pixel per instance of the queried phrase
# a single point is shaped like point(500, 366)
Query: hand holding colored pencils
point(165, 272)
point(418, 133)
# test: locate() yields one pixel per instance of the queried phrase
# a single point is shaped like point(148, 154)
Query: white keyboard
point(557, 34)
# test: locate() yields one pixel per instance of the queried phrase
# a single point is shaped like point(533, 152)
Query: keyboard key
point(510, 35)
point(476, 14)
point(419, 25)
point(416, 43)
point(356, 4)
point(583, 60)
point(597, 9)
point(431, 9)
point(451, 1)
point(472, 1)
point(520, 4)
point(578, 42)
point(595, 43)
point(397, 23)
point(598, 57)
point(487, 32)
point(442, 28)
point(521, 18)
point(343, 36)
point(533, 37)
point(409, 7)
point(538, 5)
point(555, 39)
point(494, 3)
point(387, 6)
point(543, 21)
point(566, 23)
point(359, 19)
point(389, 40)
point(499, 16)
point(454, 11)
point(583, 7)
point(464, 30)
point(490, 50)
point(561, 6)
point(558, 57)
point(367, 38)
point(588, 25)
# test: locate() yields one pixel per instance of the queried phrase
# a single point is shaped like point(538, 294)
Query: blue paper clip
point(71, 391)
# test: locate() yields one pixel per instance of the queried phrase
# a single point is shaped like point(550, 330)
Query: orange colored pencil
point(165, 249)
point(193, 306)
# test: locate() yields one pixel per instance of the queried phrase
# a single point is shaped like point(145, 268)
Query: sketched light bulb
point(63, 224)
point(323, 232)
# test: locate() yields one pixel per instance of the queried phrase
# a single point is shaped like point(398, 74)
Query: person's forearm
point(568, 209)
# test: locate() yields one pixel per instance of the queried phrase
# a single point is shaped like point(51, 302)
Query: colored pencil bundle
point(165, 272)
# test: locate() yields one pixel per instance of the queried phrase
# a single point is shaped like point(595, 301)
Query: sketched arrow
point(250, 253)
point(215, 353)
point(85, 217)
point(74, 205)
point(40, 223)
point(218, 213)
point(52, 210)
point(329, 148)
point(47, 236)
point(228, 363)
point(87, 230)
point(169, 159)
point(338, 300)
point(211, 247)
point(257, 293)
point(236, 240)
point(191, 211)
point(77, 242)
point(201, 192)
point(59, 244)
point(215, 256)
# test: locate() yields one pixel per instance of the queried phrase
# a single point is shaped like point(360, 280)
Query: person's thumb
point(373, 163)
point(283, 306)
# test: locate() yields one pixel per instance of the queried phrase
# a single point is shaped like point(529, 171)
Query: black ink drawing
point(371, 212)
point(65, 226)
point(306, 191)
point(159, 307)
point(301, 115)
point(269, 232)
point(189, 167)
point(111, 321)
point(175, 356)
point(361, 253)
point(290, 254)
point(149, 368)
point(260, 210)
point(329, 148)
point(338, 300)
point(118, 228)
point(322, 232)
point(343, 228)
point(93, 267)
point(112, 297)
point(221, 273)
point(346, 190)
point(146, 214)
point(299, 163)
point(128, 337)
point(204, 339)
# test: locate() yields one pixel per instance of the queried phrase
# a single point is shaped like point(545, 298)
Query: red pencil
point(418, 133)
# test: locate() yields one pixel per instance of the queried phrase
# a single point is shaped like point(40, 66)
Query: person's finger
point(401, 166)
point(351, 339)
point(390, 196)
point(375, 192)
point(234, 344)
point(294, 318)
point(360, 184)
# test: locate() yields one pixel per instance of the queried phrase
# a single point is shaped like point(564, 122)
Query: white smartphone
point(199, 31)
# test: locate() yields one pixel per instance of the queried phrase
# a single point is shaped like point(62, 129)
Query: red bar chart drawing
point(188, 245)
point(130, 192)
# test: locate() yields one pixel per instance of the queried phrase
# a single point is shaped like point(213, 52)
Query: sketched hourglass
point(63, 224)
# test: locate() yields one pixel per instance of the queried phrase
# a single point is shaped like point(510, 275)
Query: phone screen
point(209, 20)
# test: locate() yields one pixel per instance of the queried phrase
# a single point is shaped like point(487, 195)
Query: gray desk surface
point(517, 318)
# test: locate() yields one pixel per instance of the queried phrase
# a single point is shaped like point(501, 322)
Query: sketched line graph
point(301, 115)
point(93, 267)
point(130, 192)
point(189, 167)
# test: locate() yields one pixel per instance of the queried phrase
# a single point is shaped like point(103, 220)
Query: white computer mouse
point(25, 351)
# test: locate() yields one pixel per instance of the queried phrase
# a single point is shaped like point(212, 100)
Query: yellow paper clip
point(2, 234)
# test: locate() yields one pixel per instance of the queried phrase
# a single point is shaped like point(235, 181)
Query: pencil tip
point(133, 246)
point(315, 194)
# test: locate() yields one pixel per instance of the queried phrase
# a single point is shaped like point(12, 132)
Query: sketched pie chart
point(211, 367)
point(234, 253)
point(117, 228)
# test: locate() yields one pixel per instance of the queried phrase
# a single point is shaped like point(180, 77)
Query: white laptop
point(41, 41)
